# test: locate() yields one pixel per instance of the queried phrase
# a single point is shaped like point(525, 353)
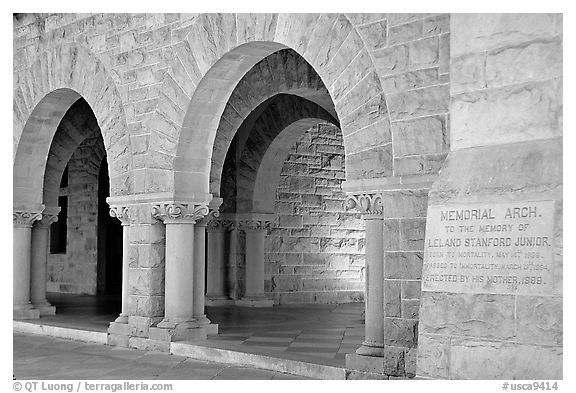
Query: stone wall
point(314, 252)
point(506, 139)
point(76, 271)
point(412, 59)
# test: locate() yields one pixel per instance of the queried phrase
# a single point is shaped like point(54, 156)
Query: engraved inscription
point(500, 248)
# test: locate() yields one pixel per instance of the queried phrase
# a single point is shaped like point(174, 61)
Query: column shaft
point(255, 263)
point(216, 265)
point(21, 262)
point(39, 260)
point(123, 317)
point(179, 276)
point(199, 273)
point(22, 254)
point(374, 321)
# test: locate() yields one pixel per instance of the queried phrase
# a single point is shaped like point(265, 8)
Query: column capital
point(369, 204)
point(254, 224)
point(179, 213)
point(49, 216)
point(219, 225)
point(121, 212)
point(212, 215)
point(24, 218)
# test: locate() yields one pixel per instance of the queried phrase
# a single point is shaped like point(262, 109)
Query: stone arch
point(264, 190)
point(273, 123)
point(283, 72)
point(74, 130)
point(220, 48)
point(52, 84)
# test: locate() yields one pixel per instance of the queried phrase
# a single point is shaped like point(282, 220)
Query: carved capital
point(212, 215)
point(254, 225)
point(370, 204)
point(217, 225)
point(122, 213)
point(176, 213)
point(49, 217)
point(25, 219)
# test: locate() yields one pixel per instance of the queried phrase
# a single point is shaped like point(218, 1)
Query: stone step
point(60, 332)
point(202, 351)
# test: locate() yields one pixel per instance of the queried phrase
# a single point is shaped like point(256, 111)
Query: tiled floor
point(41, 357)
point(318, 333)
point(321, 334)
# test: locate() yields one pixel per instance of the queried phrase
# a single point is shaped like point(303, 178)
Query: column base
point(368, 349)
point(218, 301)
point(170, 331)
point(25, 312)
point(366, 364)
point(206, 324)
point(45, 308)
point(253, 301)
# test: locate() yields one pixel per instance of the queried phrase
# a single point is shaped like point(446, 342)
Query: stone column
point(22, 220)
point(122, 213)
point(40, 247)
point(369, 357)
point(255, 230)
point(179, 322)
point(216, 266)
point(200, 274)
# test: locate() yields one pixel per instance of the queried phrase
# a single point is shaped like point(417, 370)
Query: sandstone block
point(436, 25)
point(374, 34)
point(372, 163)
point(411, 289)
point(539, 320)
point(472, 33)
point(499, 360)
point(118, 340)
point(405, 32)
point(433, 356)
point(400, 332)
point(522, 63)
point(391, 60)
point(391, 235)
point(477, 315)
point(423, 102)
point(377, 134)
point(509, 114)
point(426, 135)
point(419, 165)
point(410, 309)
point(403, 265)
point(405, 203)
point(410, 80)
point(424, 53)
point(468, 73)
point(392, 298)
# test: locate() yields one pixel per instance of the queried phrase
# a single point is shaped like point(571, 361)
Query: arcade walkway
point(317, 334)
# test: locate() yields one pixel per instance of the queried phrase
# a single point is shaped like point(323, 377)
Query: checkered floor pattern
point(323, 331)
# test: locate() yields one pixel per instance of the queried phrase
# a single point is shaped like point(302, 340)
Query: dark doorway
point(109, 277)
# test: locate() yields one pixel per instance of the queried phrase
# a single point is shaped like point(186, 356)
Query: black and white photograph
point(286, 196)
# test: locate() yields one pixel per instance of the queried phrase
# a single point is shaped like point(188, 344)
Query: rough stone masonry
point(202, 114)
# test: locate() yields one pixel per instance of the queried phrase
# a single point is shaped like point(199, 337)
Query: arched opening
point(79, 271)
point(284, 164)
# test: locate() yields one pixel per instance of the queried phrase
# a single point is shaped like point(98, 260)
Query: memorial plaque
point(489, 248)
